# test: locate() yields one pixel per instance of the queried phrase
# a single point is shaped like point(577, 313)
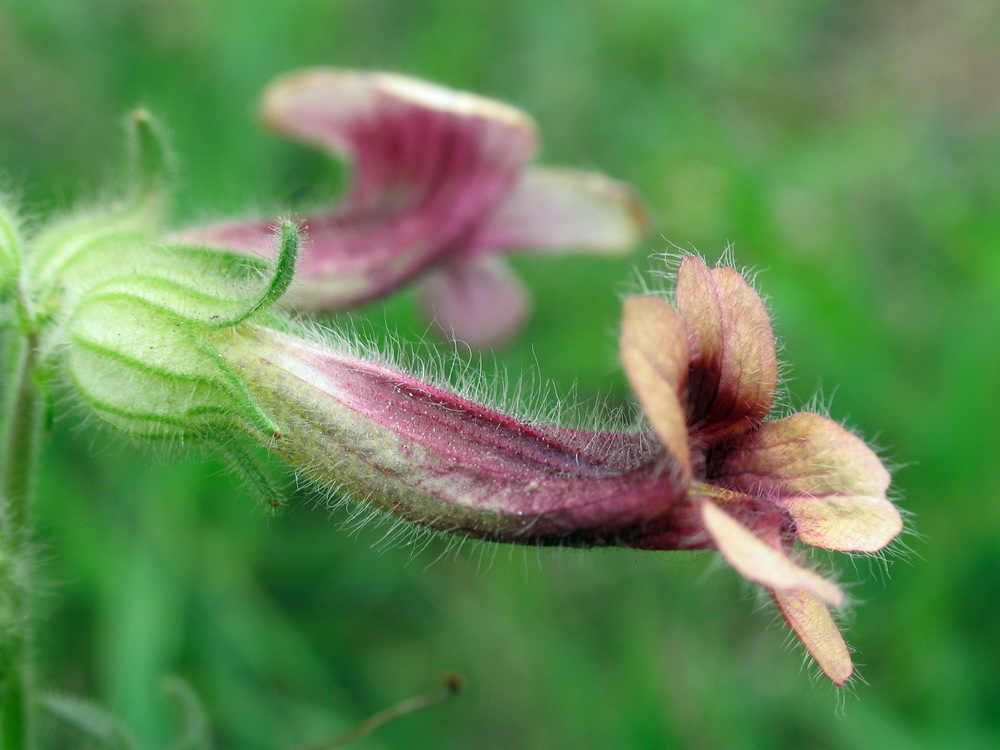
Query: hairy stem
point(18, 444)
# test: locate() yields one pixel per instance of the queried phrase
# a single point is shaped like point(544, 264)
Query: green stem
point(18, 444)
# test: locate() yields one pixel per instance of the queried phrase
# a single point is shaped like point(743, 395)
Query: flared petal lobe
point(553, 209)
point(811, 622)
point(829, 481)
point(653, 349)
point(478, 301)
point(733, 362)
point(758, 561)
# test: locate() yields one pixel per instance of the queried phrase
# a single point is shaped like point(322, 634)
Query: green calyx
point(141, 336)
point(133, 319)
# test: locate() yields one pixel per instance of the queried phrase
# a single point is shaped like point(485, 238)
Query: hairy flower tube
point(441, 190)
point(718, 477)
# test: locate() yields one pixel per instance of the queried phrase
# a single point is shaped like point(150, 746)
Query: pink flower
point(714, 474)
point(441, 190)
point(705, 374)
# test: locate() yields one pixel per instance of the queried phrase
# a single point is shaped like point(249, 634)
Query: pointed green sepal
point(150, 164)
point(281, 277)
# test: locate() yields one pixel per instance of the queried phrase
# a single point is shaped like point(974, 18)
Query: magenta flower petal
point(553, 209)
point(758, 561)
point(653, 349)
point(478, 301)
point(809, 618)
point(734, 367)
point(829, 481)
point(429, 165)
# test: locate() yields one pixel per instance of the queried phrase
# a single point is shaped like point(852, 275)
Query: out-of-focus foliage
point(850, 150)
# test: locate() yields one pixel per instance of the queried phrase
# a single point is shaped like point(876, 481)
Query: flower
point(180, 343)
point(705, 375)
point(177, 343)
point(718, 476)
point(441, 190)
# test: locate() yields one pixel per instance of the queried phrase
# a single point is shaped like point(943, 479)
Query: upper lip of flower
point(706, 375)
point(441, 188)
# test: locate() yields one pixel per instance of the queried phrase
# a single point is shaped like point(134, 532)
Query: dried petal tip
point(811, 622)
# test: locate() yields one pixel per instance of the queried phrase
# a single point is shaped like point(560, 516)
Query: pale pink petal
point(734, 367)
point(477, 301)
point(653, 347)
point(553, 209)
point(757, 561)
point(829, 481)
point(809, 618)
point(430, 166)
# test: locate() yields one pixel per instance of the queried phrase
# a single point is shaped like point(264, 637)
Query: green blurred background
point(849, 150)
